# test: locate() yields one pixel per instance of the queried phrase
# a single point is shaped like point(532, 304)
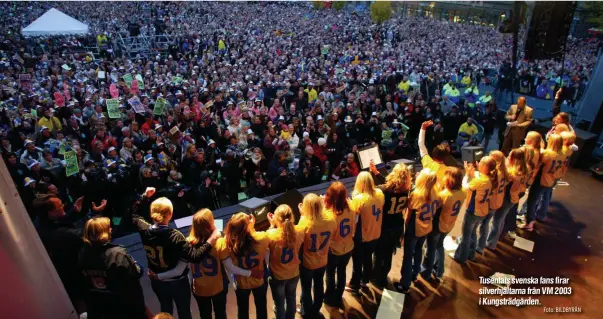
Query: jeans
point(466, 249)
point(484, 230)
point(312, 280)
point(413, 255)
point(486, 140)
point(283, 294)
point(498, 223)
point(336, 268)
point(533, 197)
point(386, 246)
point(362, 259)
point(217, 302)
point(435, 258)
point(259, 298)
point(178, 291)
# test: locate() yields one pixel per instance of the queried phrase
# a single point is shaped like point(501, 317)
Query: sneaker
point(400, 288)
point(351, 290)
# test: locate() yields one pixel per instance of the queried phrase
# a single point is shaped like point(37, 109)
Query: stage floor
point(569, 244)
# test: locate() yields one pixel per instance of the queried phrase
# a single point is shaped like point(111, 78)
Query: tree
point(338, 5)
point(594, 13)
point(381, 11)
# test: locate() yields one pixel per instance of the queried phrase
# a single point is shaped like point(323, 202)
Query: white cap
point(111, 149)
point(249, 131)
point(306, 134)
point(374, 114)
point(322, 141)
point(319, 118)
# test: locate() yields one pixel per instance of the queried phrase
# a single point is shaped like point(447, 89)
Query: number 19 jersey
point(208, 277)
point(479, 195)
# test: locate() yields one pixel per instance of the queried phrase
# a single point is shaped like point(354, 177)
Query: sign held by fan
point(59, 100)
point(134, 89)
point(113, 91)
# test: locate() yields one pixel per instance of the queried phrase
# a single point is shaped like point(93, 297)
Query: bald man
point(519, 118)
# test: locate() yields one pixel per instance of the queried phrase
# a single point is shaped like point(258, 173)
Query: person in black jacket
point(62, 240)
point(167, 254)
point(110, 275)
point(488, 123)
point(232, 173)
point(396, 188)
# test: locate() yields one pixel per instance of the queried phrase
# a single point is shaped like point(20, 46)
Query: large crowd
point(254, 104)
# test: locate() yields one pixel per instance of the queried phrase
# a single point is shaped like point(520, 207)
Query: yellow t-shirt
point(551, 165)
point(516, 187)
point(423, 213)
point(312, 95)
point(404, 86)
point(284, 261)
point(343, 238)
point(252, 261)
point(452, 202)
point(370, 209)
point(478, 196)
point(438, 168)
point(317, 238)
point(567, 153)
point(207, 275)
point(469, 129)
point(498, 194)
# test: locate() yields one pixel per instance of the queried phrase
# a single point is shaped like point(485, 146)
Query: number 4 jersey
point(370, 211)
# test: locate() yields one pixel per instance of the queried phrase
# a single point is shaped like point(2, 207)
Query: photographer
point(347, 168)
point(284, 181)
point(258, 186)
point(232, 172)
point(309, 171)
point(207, 192)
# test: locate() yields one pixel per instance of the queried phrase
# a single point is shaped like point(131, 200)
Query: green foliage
point(594, 14)
point(381, 11)
point(338, 5)
point(317, 4)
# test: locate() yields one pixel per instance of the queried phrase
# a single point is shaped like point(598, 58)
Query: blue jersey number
point(326, 235)
point(287, 255)
point(376, 212)
point(428, 211)
point(485, 196)
point(345, 228)
point(456, 208)
point(249, 262)
point(210, 267)
point(555, 165)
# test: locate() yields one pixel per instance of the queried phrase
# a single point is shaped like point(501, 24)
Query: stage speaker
point(586, 142)
point(134, 29)
point(597, 124)
point(472, 154)
point(259, 208)
point(291, 198)
point(548, 30)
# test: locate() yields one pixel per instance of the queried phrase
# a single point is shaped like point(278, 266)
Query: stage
point(569, 245)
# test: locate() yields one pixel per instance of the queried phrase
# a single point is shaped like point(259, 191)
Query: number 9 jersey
point(452, 202)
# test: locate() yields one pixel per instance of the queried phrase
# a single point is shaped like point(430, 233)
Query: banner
point(113, 91)
point(113, 108)
point(140, 81)
point(177, 80)
point(136, 105)
point(128, 79)
point(25, 82)
point(67, 94)
point(59, 100)
point(71, 166)
point(134, 88)
point(101, 74)
point(159, 108)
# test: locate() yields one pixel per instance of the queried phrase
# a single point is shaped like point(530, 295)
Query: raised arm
point(422, 148)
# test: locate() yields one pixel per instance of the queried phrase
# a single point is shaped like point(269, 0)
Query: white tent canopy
point(54, 22)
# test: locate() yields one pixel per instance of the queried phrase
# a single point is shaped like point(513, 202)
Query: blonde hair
point(535, 140)
point(568, 138)
point(453, 178)
point(399, 179)
point(161, 210)
point(202, 227)
point(97, 231)
point(501, 166)
point(284, 218)
point(518, 165)
point(425, 184)
point(560, 128)
point(554, 143)
point(491, 165)
point(364, 184)
point(312, 207)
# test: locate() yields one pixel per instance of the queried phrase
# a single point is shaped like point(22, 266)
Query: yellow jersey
point(551, 164)
point(516, 186)
point(208, 278)
point(438, 168)
point(478, 196)
point(468, 129)
point(369, 208)
point(343, 238)
point(423, 213)
point(317, 239)
point(452, 202)
point(252, 261)
point(498, 195)
point(567, 153)
point(284, 261)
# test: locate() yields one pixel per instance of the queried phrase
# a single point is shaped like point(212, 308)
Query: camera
point(344, 164)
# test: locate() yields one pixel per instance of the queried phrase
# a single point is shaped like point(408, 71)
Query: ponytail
point(288, 237)
point(285, 220)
